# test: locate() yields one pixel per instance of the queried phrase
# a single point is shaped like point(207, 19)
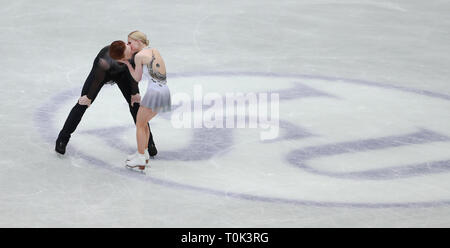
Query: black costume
point(104, 70)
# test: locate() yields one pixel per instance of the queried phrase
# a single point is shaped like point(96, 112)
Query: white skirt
point(157, 96)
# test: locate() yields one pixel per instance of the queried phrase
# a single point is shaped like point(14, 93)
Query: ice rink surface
point(364, 100)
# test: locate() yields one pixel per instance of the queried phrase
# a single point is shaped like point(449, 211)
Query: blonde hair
point(138, 35)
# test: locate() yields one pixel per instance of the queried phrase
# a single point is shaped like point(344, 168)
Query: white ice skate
point(137, 162)
point(147, 156)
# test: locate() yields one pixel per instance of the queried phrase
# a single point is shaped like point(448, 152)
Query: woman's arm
point(136, 72)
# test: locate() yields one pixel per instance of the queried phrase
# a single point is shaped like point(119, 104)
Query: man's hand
point(84, 100)
point(135, 98)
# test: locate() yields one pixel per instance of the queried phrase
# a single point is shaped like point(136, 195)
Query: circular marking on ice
point(321, 181)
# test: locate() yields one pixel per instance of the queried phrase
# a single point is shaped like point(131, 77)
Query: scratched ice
point(364, 138)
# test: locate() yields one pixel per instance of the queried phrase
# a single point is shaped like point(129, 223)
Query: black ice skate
point(60, 146)
point(152, 151)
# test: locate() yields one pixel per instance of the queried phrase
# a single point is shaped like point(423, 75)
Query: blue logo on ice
point(342, 143)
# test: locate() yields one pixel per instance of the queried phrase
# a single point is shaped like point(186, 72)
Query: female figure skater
point(150, 68)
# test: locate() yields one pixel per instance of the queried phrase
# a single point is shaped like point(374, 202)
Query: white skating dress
point(157, 96)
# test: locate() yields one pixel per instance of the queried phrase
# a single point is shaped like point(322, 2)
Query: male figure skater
point(104, 70)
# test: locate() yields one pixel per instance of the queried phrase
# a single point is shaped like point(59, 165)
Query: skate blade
point(137, 168)
point(146, 161)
